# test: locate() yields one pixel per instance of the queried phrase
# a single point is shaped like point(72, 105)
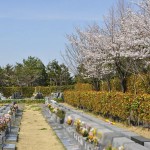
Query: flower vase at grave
point(61, 120)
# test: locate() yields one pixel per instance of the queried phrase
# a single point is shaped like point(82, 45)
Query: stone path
point(68, 141)
point(35, 133)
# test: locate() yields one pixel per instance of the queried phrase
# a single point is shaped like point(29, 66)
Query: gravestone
point(2, 97)
point(16, 95)
point(9, 147)
point(38, 95)
point(11, 139)
point(120, 141)
point(140, 139)
point(147, 144)
point(134, 146)
point(107, 137)
point(129, 134)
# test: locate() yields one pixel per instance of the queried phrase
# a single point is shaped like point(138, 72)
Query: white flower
point(121, 148)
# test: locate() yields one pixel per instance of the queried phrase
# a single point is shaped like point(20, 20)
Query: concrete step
point(9, 147)
point(11, 139)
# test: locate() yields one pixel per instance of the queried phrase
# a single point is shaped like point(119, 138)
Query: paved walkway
point(35, 133)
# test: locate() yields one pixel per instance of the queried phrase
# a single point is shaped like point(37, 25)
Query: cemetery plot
point(90, 133)
point(10, 118)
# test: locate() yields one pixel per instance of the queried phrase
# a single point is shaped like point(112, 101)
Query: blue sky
point(38, 27)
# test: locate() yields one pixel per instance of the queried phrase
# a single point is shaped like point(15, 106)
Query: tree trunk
point(109, 85)
point(124, 85)
point(96, 85)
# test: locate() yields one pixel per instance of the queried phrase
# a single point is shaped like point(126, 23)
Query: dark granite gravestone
point(140, 139)
point(16, 95)
point(38, 96)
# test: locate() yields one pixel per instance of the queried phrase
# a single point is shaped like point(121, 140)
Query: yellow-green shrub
point(83, 86)
point(114, 104)
point(138, 84)
point(27, 92)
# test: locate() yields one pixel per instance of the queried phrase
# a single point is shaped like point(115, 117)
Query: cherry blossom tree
point(120, 47)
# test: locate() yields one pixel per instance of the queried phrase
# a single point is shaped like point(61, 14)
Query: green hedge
point(114, 104)
point(27, 101)
point(27, 92)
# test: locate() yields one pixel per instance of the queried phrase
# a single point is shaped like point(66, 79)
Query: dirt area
point(35, 133)
point(139, 130)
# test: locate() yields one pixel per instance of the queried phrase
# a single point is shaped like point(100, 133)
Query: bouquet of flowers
point(84, 132)
point(77, 124)
point(51, 108)
point(10, 112)
point(69, 120)
point(15, 106)
point(7, 117)
point(92, 137)
point(55, 110)
point(3, 124)
point(12, 109)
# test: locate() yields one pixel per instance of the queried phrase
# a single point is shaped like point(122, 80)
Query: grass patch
point(33, 106)
point(36, 109)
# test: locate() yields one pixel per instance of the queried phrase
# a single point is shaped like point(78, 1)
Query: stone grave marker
point(140, 139)
point(120, 141)
point(134, 146)
point(147, 144)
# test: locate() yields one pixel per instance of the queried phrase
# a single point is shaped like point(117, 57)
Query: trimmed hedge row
point(115, 104)
point(83, 87)
point(27, 101)
point(27, 92)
